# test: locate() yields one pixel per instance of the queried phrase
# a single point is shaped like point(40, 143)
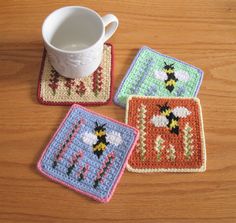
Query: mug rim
point(68, 51)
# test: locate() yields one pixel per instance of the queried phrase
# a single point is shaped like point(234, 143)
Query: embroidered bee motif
point(100, 139)
point(170, 117)
point(170, 76)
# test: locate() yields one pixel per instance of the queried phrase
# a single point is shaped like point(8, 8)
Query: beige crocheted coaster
point(95, 89)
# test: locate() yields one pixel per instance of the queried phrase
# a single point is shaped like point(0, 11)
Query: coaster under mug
point(95, 89)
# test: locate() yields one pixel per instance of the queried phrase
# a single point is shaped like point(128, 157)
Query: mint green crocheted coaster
point(154, 74)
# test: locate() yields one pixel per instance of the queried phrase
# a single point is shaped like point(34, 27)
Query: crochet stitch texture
point(95, 89)
point(171, 134)
point(154, 74)
point(88, 153)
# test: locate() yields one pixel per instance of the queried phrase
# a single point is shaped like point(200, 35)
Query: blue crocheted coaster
point(154, 74)
point(88, 153)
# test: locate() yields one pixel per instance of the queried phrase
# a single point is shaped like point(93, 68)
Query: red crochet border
point(41, 100)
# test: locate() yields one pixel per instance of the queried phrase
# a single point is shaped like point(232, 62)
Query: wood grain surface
point(199, 32)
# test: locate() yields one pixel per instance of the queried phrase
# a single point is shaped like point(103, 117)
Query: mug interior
point(73, 28)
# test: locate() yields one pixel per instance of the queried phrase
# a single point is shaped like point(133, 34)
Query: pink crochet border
point(73, 188)
point(41, 100)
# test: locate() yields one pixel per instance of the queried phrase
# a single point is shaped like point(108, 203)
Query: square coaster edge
point(67, 103)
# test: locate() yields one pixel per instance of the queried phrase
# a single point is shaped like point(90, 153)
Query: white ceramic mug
point(74, 37)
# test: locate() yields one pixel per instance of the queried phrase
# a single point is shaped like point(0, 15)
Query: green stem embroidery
point(159, 147)
point(97, 81)
point(54, 81)
point(188, 141)
point(69, 84)
point(80, 88)
point(171, 153)
point(141, 126)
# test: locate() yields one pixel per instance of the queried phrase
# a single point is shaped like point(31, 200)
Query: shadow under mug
point(74, 37)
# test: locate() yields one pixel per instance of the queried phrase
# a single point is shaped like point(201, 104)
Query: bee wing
point(159, 121)
point(160, 75)
point(182, 75)
point(89, 138)
point(114, 138)
point(181, 112)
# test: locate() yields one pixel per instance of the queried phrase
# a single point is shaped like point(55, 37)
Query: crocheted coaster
point(154, 74)
point(88, 153)
point(171, 134)
point(95, 89)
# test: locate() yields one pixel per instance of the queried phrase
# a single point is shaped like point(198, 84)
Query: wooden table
point(200, 32)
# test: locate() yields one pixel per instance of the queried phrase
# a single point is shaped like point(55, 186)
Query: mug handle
point(113, 23)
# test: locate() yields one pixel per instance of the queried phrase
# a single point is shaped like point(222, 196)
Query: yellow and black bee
point(170, 117)
point(101, 144)
point(100, 139)
point(170, 76)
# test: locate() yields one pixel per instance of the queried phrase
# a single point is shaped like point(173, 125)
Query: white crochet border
point(152, 170)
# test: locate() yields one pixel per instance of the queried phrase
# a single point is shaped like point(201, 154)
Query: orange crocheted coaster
point(171, 134)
